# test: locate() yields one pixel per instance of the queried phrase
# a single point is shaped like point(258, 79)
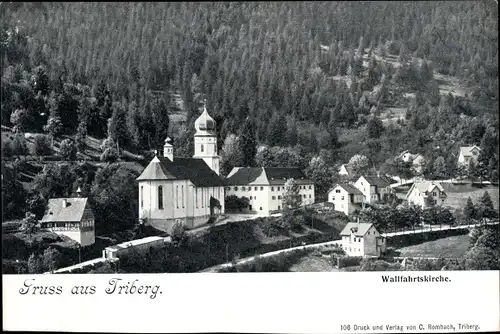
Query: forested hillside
point(311, 81)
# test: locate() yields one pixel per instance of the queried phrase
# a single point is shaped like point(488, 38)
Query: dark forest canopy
point(275, 62)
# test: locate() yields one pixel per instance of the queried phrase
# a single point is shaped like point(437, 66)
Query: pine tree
point(161, 121)
point(276, 130)
point(41, 145)
point(19, 146)
point(439, 167)
point(35, 264)
point(291, 133)
point(375, 127)
point(117, 126)
point(81, 136)
point(51, 259)
point(469, 209)
point(486, 205)
point(248, 143)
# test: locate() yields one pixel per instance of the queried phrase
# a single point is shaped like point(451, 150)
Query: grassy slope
point(312, 263)
point(458, 194)
point(455, 246)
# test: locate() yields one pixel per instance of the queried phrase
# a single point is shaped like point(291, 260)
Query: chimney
point(65, 203)
point(168, 149)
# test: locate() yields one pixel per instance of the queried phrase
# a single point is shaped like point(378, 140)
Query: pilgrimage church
point(189, 191)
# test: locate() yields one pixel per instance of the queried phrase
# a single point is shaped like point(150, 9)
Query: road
point(435, 228)
point(338, 242)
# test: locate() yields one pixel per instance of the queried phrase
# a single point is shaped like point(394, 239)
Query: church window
point(202, 148)
point(142, 197)
point(197, 198)
point(261, 188)
point(243, 188)
point(182, 195)
point(251, 197)
point(235, 188)
point(310, 187)
point(255, 188)
point(272, 188)
point(160, 197)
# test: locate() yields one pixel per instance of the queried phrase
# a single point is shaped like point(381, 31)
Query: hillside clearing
point(454, 247)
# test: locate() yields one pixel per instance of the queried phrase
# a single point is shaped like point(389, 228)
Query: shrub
point(178, 234)
point(368, 264)
point(7, 148)
point(349, 261)
point(41, 145)
point(67, 150)
point(109, 155)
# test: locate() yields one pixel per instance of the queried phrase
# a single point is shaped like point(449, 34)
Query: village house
point(183, 190)
point(417, 160)
point(265, 187)
point(345, 198)
point(71, 217)
point(362, 239)
point(468, 154)
point(426, 194)
point(373, 187)
point(345, 171)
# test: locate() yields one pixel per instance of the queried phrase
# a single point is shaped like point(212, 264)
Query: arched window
point(182, 188)
point(160, 197)
point(142, 197)
point(202, 148)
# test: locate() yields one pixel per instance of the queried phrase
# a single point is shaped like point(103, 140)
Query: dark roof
point(265, 176)
point(72, 212)
point(378, 181)
point(195, 170)
point(279, 175)
point(247, 175)
point(349, 188)
point(359, 229)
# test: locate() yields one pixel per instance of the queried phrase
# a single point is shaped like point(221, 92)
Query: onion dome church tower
point(205, 140)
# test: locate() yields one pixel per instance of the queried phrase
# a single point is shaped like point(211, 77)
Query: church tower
point(205, 141)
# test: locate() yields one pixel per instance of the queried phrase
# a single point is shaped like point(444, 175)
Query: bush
point(42, 145)
point(67, 150)
point(368, 264)
point(178, 234)
point(349, 261)
point(7, 148)
point(110, 154)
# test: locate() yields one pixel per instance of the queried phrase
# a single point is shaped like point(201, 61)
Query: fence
point(431, 228)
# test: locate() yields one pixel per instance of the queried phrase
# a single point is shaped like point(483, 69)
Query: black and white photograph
point(236, 137)
point(239, 137)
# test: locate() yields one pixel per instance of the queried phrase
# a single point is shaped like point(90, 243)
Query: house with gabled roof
point(345, 198)
point(426, 194)
point(265, 187)
point(362, 239)
point(71, 217)
point(468, 154)
point(374, 187)
point(417, 160)
point(345, 171)
point(183, 190)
